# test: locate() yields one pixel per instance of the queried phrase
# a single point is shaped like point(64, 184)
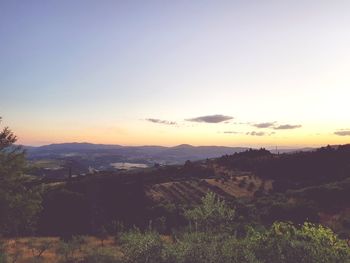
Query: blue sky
point(99, 70)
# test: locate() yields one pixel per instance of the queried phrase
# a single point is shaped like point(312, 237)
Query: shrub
point(199, 247)
point(211, 215)
point(281, 243)
point(140, 248)
point(284, 243)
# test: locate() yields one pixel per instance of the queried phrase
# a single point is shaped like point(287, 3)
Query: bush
point(211, 215)
point(140, 248)
point(284, 243)
point(281, 243)
point(199, 247)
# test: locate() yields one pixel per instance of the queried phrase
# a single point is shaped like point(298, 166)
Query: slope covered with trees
point(252, 206)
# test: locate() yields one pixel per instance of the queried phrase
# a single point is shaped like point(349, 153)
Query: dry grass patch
point(23, 250)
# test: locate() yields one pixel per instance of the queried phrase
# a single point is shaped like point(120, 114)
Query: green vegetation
point(210, 242)
point(280, 243)
point(212, 215)
point(197, 222)
point(19, 204)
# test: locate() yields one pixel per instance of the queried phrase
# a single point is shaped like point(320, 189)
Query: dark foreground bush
point(140, 248)
point(285, 243)
point(213, 239)
point(203, 248)
point(282, 243)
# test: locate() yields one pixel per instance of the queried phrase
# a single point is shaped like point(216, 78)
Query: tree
point(212, 215)
point(19, 204)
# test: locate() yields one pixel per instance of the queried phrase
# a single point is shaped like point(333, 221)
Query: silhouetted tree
point(18, 203)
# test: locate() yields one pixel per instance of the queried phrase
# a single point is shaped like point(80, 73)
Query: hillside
point(223, 200)
point(264, 187)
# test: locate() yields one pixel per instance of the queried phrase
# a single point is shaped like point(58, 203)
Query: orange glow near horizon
point(198, 135)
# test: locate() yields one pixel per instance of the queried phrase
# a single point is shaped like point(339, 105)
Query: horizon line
point(272, 147)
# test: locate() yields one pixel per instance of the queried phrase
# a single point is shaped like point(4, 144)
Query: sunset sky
point(235, 73)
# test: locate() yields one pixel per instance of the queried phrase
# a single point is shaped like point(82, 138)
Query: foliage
point(327, 196)
point(140, 248)
point(96, 201)
point(201, 247)
point(19, 204)
point(285, 243)
point(282, 243)
point(304, 184)
point(211, 215)
point(293, 170)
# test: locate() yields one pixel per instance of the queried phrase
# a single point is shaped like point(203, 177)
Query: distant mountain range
point(175, 154)
point(54, 160)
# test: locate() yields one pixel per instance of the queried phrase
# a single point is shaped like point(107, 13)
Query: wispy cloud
point(211, 118)
point(254, 133)
point(161, 121)
point(260, 133)
point(342, 133)
point(231, 132)
point(263, 125)
point(242, 123)
point(287, 127)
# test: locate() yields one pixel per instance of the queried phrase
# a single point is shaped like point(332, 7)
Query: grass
point(22, 248)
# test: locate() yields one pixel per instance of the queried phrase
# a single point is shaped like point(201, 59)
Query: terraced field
point(225, 186)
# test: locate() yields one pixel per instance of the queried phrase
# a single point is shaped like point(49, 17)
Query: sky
point(234, 73)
